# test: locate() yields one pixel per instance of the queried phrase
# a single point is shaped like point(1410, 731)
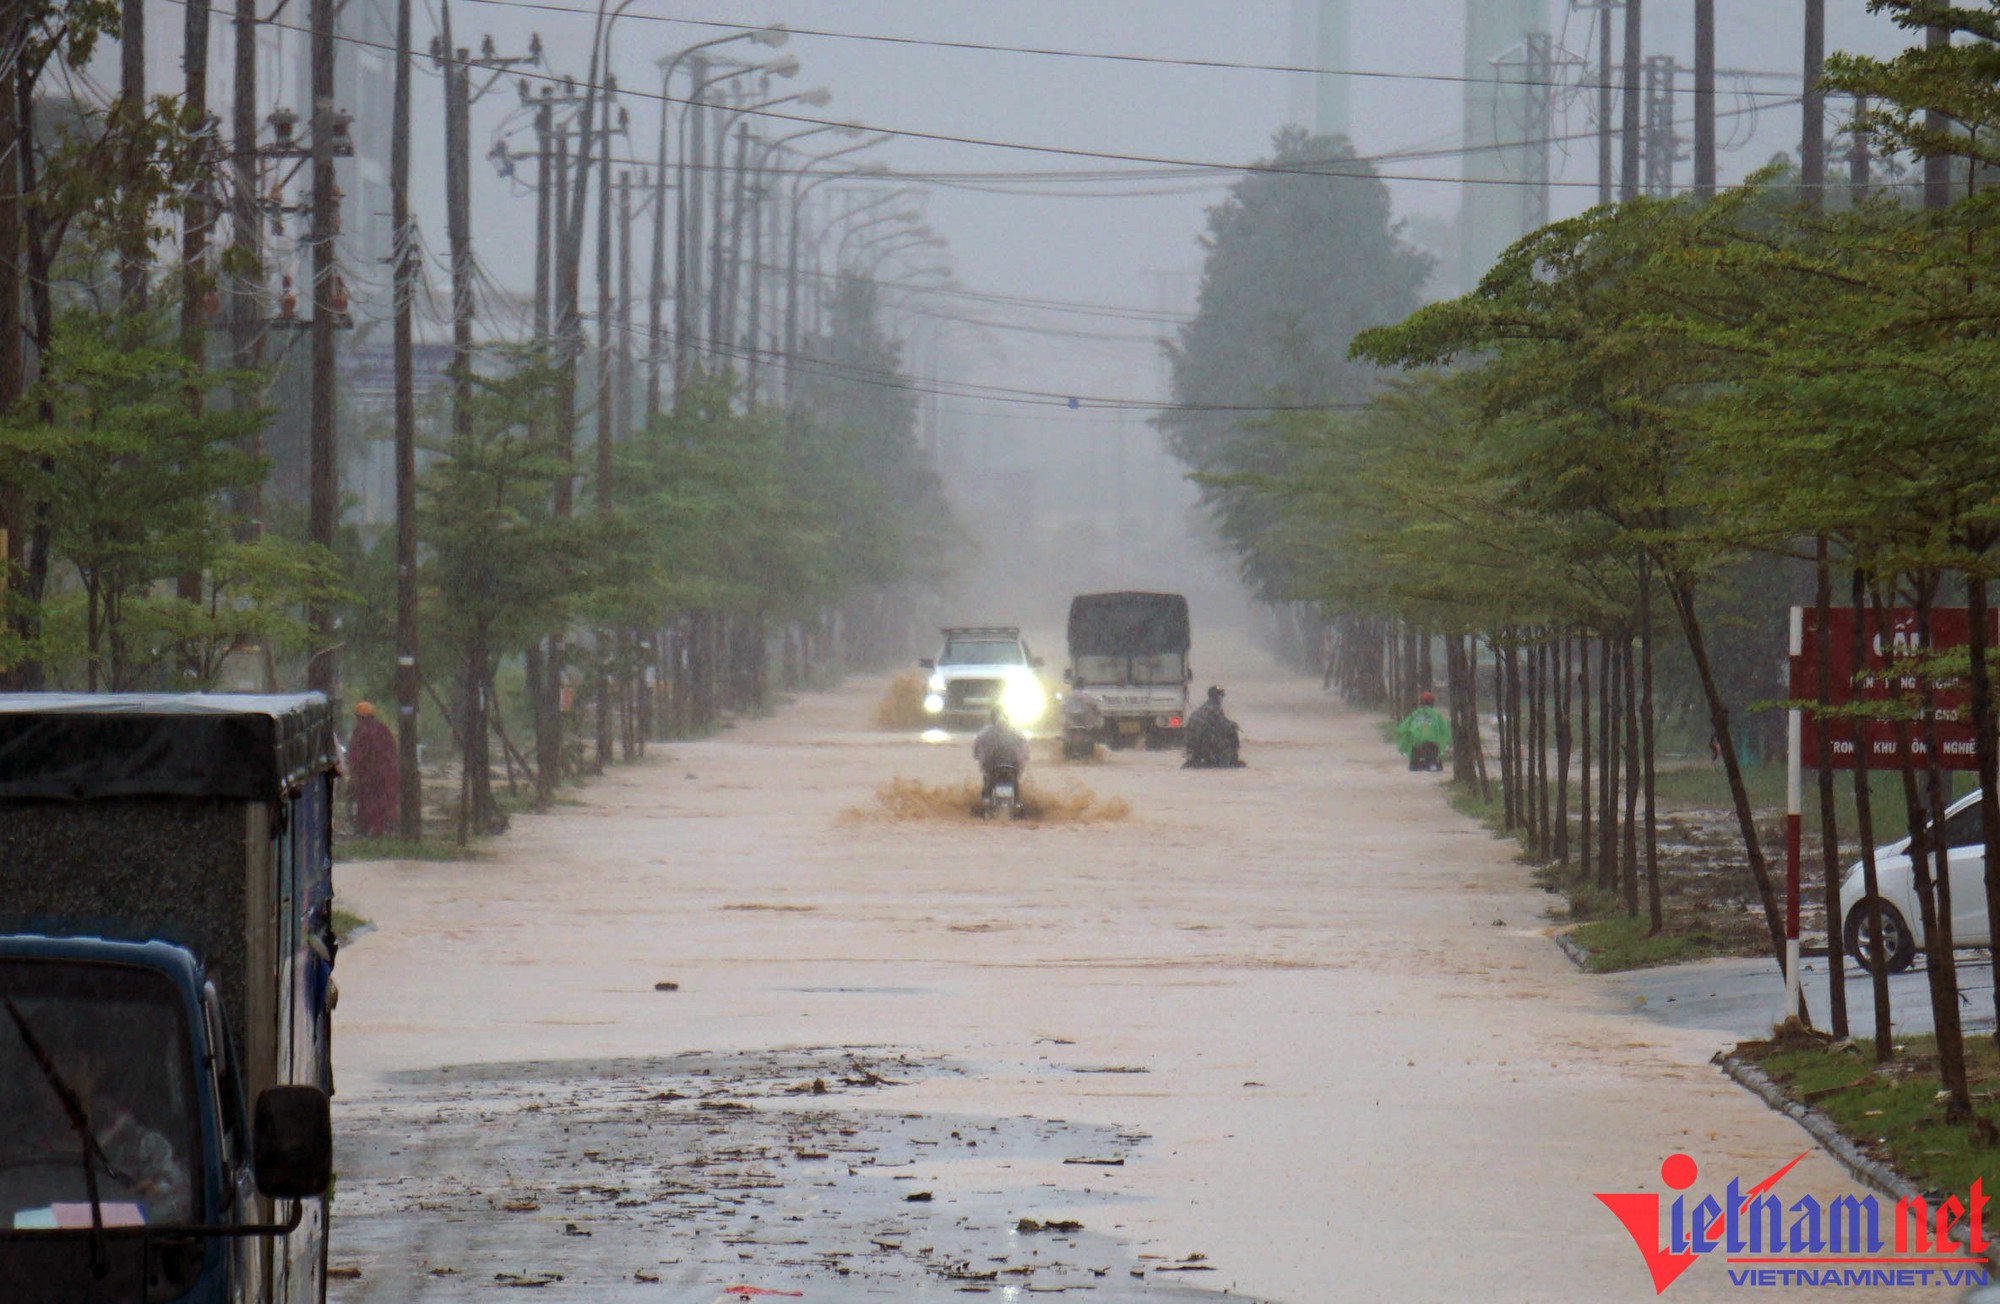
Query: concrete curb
point(1870, 1172)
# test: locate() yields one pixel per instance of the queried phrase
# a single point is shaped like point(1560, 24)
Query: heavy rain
point(1290, 651)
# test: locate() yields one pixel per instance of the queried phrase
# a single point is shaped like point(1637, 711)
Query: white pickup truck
point(981, 667)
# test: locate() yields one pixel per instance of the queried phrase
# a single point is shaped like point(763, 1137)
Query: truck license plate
point(1131, 726)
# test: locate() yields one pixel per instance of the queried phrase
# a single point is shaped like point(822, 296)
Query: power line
point(1364, 173)
point(1109, 56)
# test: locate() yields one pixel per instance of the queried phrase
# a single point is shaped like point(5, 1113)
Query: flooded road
point(1292, 1032)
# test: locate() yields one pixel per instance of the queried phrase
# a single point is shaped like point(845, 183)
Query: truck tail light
point(1173, 722)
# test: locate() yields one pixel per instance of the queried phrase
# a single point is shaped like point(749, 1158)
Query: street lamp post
point(840, 250)
point(800, 189)
point(771, 37)
point(719, 251)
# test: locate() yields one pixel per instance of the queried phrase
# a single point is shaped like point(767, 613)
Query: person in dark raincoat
point(373, 774)
point(1212, 738)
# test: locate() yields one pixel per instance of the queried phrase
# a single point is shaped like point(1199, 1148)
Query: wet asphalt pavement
point(1745, 997)
point(662, 1179)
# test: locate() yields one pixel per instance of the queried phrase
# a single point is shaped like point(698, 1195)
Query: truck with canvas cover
point(166, 955)
point(1131, 651)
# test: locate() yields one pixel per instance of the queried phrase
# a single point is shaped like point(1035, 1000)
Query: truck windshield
point(117, 1037)
point(981, 652)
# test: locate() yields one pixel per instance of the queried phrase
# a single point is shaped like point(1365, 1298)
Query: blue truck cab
point(165, 993)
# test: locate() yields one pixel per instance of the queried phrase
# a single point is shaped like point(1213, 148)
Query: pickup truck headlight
point(933, 703)
point(1023, 700)
point(936, 682)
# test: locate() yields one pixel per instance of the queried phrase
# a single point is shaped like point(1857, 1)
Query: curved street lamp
point(688, 201)
point(770, 37)
point(817, 97)
point(909, 215)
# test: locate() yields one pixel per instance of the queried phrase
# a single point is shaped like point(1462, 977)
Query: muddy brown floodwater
point(1293, 1032)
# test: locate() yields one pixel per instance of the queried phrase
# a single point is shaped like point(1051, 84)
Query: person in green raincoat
point(1424, 735)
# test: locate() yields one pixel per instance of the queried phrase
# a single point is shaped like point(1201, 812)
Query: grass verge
point(1892, 1111)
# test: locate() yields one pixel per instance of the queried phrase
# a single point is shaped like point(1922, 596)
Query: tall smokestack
point(1321, 39)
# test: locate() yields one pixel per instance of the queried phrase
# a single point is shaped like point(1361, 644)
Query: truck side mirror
point(927, 663)
point(292, 1142)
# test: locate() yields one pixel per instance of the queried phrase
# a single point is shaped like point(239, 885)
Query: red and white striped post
point(1793, 747)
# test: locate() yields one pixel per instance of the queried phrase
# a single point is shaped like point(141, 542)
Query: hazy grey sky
point(1081, 241)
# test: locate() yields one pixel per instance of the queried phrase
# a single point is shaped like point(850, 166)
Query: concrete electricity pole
point(132, 255)
point(1704, 98)
point(1635, 59)
point(246, 221)
point(1859, 163)
point(1937, 168)
point(410, 813)
point(323, 505)
point(1812, 138)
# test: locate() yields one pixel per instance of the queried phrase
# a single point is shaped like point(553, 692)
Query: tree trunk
point(1503, 703)
point(1472, 716)
point(1656, 920)
point(1607, 788)
point(1545, 682)
point(1564, 741)
point(1942, 960)
point(1829, 825)
point(1718, 716)
point(1986, 753)
point(1584, 846)
point(1630, 843)
point(1864, 829)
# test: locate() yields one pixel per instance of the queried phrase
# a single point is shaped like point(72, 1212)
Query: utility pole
point(132, 255)
point(622, 387)
point(196, 213)
point(1604, 128)
point(1662, 143)
point(605, 415)
point(246, 235)
point(544, 156)
point(1859, 164)
point(1539, 82)
point(323, 507)
point(1704, 98)
point(687, 249)
point(409, 804)
point(1634, 65)
point(13, 353)
point(1812, 139)
point(1937, 168)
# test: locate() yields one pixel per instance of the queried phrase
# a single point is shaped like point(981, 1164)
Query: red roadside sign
point(1890, 636)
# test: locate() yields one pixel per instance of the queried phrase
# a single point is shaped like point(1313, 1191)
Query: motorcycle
point(1083, 720)
point(1002, 795)
point(1425, 756)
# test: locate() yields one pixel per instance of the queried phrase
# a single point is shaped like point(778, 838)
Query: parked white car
point(1902, 920)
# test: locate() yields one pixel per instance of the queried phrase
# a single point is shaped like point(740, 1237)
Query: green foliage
point(1297, 265)
point(500, 567)
point(136, 470)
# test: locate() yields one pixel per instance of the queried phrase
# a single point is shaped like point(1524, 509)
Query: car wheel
point(1897, 939)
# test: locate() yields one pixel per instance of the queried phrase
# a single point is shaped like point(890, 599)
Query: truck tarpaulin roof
point(245, 747)
point(1127, 624)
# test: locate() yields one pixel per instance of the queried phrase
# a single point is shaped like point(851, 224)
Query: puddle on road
point(671, 1179)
